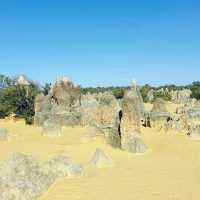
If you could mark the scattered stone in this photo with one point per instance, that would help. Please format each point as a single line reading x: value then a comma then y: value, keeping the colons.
x: 100, y: 159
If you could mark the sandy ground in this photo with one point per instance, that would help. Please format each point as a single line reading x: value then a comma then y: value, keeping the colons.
x: 170, y: 170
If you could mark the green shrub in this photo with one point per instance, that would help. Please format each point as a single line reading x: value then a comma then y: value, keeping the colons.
x: 144, y: 91
x: 18, y: 100
x: 46, y: 88
x: 195, y: 88
x: 164, y: 96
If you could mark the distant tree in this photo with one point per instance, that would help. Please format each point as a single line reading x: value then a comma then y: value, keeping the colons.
x: 164, y: 96
x: 195, y: 88
x: 15, y: 100
x: 46, y: 88
x: 144, y: 91
x: 118, y: 92
x: 5, y: 81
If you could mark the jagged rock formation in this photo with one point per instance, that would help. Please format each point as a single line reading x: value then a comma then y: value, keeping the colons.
x: 138, y: 98
x: 43, y: 107
x: 130, y: 126
x: 66, y: 93
x: 65, y: 106
x: 181, y: 96
x: 186, y: 119
x: 99, y: 109
x: 60, y: 107
x: 102, y: 111
x: 159, y: 115
x: 24, y: 178
x: 3, y: 134
x: 89, y: 108
x: 176, y: 123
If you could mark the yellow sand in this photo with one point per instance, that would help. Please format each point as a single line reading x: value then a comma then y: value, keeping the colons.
x: 170, y: 170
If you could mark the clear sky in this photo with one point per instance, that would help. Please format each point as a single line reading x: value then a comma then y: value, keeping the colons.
x: 101, y: 42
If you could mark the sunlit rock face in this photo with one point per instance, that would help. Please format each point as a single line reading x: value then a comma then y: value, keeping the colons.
x: 102, y: 111
x: 59, y: 108
x: 99, y: 109
x: 130, y: 126
x: 159, y: 115
x: 65, y: 93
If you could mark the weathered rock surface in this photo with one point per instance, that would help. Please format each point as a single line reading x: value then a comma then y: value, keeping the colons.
x: 24, y: 178
x: 130, y: 126
x: 22, y: 174
x: 176, y: 123
x: 159, y: 115
x: 65, y: 93
x: 99, y: 109
x: 60, y: 107
x: 89, y: 108
x: 181, y: 96
x: 102, y: 111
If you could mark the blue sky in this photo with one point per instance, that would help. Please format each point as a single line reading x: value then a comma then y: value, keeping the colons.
x: 101, y: 42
